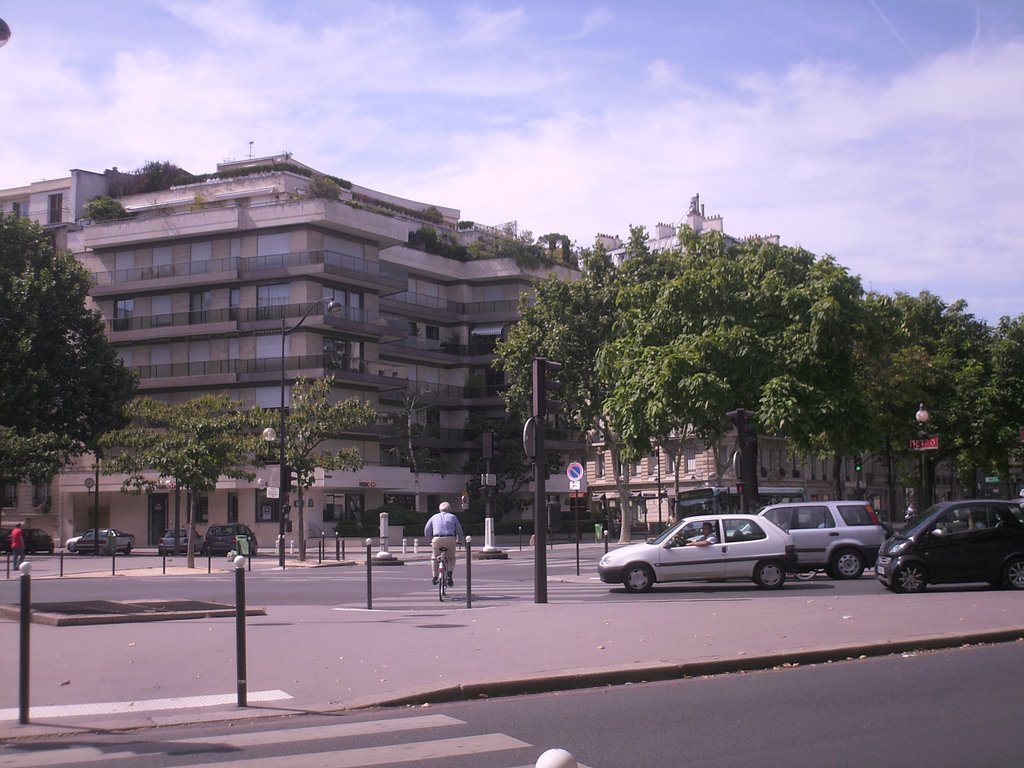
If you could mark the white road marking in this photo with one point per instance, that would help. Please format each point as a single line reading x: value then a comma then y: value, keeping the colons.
x: 146, y: 705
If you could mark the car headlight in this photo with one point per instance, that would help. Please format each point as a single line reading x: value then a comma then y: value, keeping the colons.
x: 898, y: 547
x: 605, y: 560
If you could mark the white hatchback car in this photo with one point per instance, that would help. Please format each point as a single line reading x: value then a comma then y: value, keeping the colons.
x: 738, y: 547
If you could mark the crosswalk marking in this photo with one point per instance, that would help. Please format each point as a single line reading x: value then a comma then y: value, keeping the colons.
x: 145, y: 705
x: 385, y: 755
x: 35, y: 759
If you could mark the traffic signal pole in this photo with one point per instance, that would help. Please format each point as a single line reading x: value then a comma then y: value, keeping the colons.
x: 540, y: 471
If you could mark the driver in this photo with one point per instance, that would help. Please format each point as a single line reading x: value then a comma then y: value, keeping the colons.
x: 707, y: 536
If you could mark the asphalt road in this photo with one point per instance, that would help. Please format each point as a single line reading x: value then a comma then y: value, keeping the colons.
x: 946, y: 708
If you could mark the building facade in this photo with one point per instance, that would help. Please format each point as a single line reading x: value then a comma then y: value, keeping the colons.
x: 197, y: 286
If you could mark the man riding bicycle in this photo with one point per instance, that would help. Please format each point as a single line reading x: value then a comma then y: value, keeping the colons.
x: 444, y: 530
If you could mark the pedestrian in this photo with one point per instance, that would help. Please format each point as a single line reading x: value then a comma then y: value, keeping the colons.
x: 443, y: 530
x: 18, y: 545
x: 911, y: 512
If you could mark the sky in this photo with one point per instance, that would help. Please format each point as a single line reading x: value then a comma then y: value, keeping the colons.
x: 888, y: 134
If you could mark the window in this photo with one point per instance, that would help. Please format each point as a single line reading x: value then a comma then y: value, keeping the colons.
x: 202, y: 508
x: 271, y: 301
x: 599, y: 464
x: 812, y: 517
x: 199, y: 307
x: 433, y: 333
x: 41, y: 494
x: 856, y: 514
x: 123, y: 310
x: 18, y: 210
x: 55, y: 208
x: 266, y: 509
x: 654, y: 463
x: 160, y: 311
x: 232, y: 507
x: 163, y: 261
x: 690, y: 459
x: 9, y: 494
x: 743, y: 530
x: 343, y: 355
x: 234, y: 300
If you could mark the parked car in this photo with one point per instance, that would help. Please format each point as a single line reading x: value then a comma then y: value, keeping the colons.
x: 745, y: 547
x: 956, y: 542
x: 36, y: 540
x: 839, y: 537
x: 166, y: 544
x: 108, y: 537
x: 221, y: 539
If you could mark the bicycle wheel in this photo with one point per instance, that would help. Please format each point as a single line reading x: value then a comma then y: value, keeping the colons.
x: 442, y: 579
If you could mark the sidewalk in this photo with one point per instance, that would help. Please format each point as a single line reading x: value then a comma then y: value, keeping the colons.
x: 326, y: 659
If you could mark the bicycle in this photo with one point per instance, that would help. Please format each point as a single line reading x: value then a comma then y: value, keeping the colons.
x: 443, y: 575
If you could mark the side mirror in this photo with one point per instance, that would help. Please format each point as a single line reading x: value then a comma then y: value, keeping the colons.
x: 938, y: 532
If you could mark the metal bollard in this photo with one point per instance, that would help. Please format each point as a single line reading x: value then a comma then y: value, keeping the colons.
x: 606, y: 541
x: 62, y: 563
x: 163, y: 562
x: 337, y: 547
x: 113, y: 556
x: 556, y: 758
x: 321, y: 546
x: 342, y: 549
x: 240, y: 665
x: 369, y: 575
x: 469, y: 572
x: 25, y: 620
x: 415, y: 546
x: 405, y: 546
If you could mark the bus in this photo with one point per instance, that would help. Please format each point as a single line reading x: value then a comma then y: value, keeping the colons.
x: 717, y: 500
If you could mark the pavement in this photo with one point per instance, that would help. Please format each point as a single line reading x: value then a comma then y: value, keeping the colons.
x: 128, y: 675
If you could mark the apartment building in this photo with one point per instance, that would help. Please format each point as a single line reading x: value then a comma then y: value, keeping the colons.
x: 197, y: 286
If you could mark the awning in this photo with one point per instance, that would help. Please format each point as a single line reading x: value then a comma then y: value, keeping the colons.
x: 489, y: 329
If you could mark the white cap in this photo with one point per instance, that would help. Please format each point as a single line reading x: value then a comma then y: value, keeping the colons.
x: 445, y: 506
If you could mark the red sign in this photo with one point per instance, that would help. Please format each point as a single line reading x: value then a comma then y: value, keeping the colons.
x: 925, y: 443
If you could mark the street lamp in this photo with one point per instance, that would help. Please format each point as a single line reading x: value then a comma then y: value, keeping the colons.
x: 270, y: 436
x: 93, y: 486
x: 922, y: 417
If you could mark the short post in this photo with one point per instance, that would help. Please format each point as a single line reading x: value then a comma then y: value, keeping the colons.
x: 163, y: 561
x: 113, y: 554
x: 337, y: 546
x: 9, y: 565
x: 415, y: 546
x: 25, y: 620
x: 556, y: 758
x: 520, y: 538
x: 405, y: 546
x: 321, y: 546
x: 239, y: 563
x: 62, y: 563
x: 369, y: 575
x: 605, y: 532
x: 342, y: 549
x: 209, y: 560
x: 469, y: 572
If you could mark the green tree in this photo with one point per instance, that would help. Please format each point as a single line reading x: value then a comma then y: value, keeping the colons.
x: 105, y: 208
x: 311, y: 421
x: 194, y: 443
x: 61, y: 383
x: 322, y: 186
x: 569, y: 322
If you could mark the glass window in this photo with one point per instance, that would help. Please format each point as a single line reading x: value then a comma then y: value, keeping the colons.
x: 9, y: 494
x: 855, y: 514
x: 812, y: 517
x: 199, y: 303
x: 599, y: 464
x: 234, y: 300
x: 160, y: 311
x: 232, y: 507
x: 55, y: 208
x: 743, y: 530
x: 271, y: 300
x: 266, y: 509
x: 781, y: 516
x: 40, y: 494
x: 123, y: 310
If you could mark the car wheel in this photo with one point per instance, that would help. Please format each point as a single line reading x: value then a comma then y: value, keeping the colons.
x: 1013, y: 574
x: 128, y: 549
x: 769, y: 574
x: 72, y: 548
x: 910, y: 578
x: 848, y: 564
x: 638, y: 578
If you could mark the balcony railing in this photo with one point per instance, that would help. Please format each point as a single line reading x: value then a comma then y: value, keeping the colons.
x: 344, y: 261
x: 261, y: 365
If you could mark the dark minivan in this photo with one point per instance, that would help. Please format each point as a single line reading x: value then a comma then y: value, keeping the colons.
x: 221, y: 539
x: 955, y: 542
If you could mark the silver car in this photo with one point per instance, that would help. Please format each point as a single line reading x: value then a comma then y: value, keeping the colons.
x: 839, y: 537
x: 108, y: 538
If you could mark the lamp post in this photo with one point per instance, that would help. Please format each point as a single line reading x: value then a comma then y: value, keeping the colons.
x: 270, y: 436
x: 93, y: 486
x: 922, y: 417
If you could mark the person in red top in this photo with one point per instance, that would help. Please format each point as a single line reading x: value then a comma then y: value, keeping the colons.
x: 18, y: 545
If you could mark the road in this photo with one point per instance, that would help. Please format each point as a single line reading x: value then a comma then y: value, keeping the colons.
x: 945, y: 708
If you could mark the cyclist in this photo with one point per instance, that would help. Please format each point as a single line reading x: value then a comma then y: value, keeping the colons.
x: 443, y: 529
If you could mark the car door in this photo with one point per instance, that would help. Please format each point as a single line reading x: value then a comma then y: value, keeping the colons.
x: 813, y: 530
x: 679, y: 561
x: 745, y: 544
x: 961, y: 543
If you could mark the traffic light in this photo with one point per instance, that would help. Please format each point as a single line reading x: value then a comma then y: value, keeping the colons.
x: 857, y: 465
x: 544, y: 386
x: 287, y: 475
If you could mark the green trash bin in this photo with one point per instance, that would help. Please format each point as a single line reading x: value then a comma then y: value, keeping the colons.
x: 598, y: 532
x: 242, y: 545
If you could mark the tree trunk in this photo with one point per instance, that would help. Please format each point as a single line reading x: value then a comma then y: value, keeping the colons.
x: 302, y: 523
x: 837, y: 472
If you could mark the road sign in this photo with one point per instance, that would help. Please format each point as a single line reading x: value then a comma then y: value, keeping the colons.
x: 574, y: 471
x: 530, y: 438
x: 992, y: 479
x: 925, y: 443
x: 273, y: 493
x: 574, y: 485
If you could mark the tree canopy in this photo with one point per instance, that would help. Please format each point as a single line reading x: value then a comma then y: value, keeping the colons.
x: 61, y: 382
